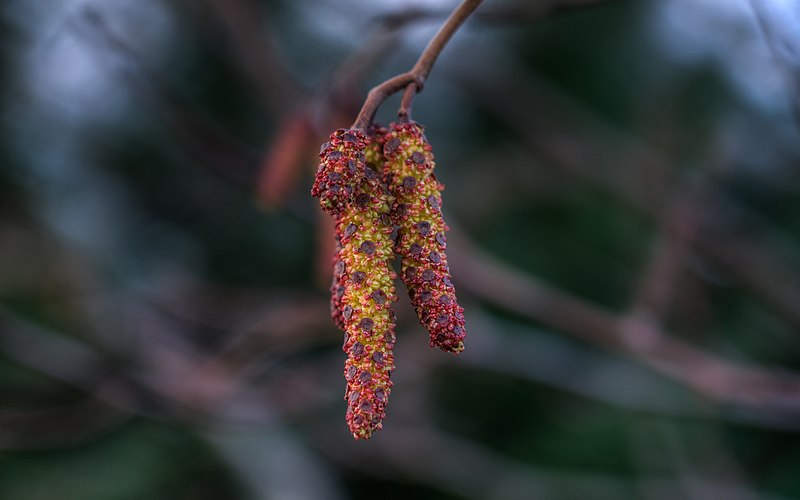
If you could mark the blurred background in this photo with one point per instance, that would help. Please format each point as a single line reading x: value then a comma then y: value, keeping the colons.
x: 624, y: 197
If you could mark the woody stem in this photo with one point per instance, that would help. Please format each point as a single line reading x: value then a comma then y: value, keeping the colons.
x: 404, y: 113
x: 419, y: 73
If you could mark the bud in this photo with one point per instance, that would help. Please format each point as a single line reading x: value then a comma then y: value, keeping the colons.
x: 421, y: 241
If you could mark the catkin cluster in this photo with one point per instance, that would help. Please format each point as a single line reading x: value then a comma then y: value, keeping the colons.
x: 375, y: 183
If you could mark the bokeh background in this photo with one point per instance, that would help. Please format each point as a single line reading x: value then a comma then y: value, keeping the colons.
x: 624, y: 197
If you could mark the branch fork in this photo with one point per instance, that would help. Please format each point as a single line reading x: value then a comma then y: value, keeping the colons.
x: 413, y: 81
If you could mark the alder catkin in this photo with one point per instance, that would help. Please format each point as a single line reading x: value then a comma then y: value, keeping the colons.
x: 363, y: 284
x: 421, y: 240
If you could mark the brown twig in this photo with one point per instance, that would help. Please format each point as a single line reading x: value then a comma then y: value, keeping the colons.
x: 419, y: 73
x: 404, y: 114
x: 378, y: 95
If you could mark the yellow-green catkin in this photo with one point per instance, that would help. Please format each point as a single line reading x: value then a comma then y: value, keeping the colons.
x: 421, y: 240
x: 363, y: 288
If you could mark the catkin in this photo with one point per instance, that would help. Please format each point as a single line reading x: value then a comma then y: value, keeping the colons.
x: 421, y: 240
x: 363, y: 287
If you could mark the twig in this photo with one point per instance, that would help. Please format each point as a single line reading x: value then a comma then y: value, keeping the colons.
x: 404, y: 114
x: 419, y: 73
x: 378, y: 94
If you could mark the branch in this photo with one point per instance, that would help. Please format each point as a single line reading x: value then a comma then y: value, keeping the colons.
x: 768, y: 392
x: 616, y: 163
x: 404, y: 113
x: 419, y: 73
x: 426, y: 61
x: 453, y: 464
x: 658, y: 284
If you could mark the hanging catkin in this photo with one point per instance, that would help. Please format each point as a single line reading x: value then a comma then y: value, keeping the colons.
x: 363, y: 288
x: 421, y: 240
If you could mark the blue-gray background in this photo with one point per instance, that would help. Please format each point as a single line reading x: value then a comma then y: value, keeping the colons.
x: 623, y: 190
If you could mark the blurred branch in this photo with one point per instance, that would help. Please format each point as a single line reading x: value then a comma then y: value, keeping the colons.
x: 658, y: 282
x: 752, y: 263
x: 333, y: 106
x: 461, y: 467
x: 165, y: 390
x: 243, y: 23
x: 771, y: 394
x: 280, y: 166
x: 526, y: 353
x: 274, y: 464
x: 57, y: 426
x: 527, y: 11
x: 207, y: 144
x: 443, y: 462
x: 521, y: 12
x: 252, y: 325
x: 657, y: 285
x: 565, y: 134
x: 67, y: 361
x: 791, y: 68
x: 657, y: 448
x: 569, y: 136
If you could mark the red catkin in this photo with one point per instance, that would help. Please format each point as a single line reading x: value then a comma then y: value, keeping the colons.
x: 421, y: 240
